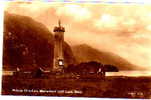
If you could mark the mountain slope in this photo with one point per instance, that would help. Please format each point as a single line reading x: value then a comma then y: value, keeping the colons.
x: 85, y: 53
x: 29, y: 44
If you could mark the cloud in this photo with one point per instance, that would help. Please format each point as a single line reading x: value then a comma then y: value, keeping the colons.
x: 106, y: 21
x: 76, y: 12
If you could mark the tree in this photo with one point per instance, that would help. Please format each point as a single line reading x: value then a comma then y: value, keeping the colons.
x: 111, y: 68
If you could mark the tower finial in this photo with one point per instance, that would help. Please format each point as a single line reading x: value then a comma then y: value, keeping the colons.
x: 59, y: 28
x: 59, y: 23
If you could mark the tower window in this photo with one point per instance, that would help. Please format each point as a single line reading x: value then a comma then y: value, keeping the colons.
x: 60, y: 63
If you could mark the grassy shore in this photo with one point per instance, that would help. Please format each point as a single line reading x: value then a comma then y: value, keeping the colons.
x: 110, y: 87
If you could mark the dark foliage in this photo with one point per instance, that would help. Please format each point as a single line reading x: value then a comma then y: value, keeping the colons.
x: 92, y: 66
x: 85, y: 67
x: 110, y: 68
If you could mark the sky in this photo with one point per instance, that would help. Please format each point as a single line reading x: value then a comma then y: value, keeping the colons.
x: 118, y: 28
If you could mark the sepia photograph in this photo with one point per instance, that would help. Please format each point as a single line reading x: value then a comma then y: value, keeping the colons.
x: 93, y: 50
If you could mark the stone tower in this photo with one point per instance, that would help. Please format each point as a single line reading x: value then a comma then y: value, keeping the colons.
x: 58, y: 61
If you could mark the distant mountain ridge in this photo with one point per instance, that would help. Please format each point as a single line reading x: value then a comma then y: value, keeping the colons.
x: 85, y: 53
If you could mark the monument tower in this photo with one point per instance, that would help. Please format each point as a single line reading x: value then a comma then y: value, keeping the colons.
x: 58, y: 61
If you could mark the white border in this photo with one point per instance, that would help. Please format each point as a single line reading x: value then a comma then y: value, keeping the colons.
x: 43, y: 97
x: 1, y: 40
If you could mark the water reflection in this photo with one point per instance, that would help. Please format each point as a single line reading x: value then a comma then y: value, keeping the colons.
x: 129, y: 73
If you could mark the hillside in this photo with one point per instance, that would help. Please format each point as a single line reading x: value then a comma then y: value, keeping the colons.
x: 29, y: 44
x: 85, y: 53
